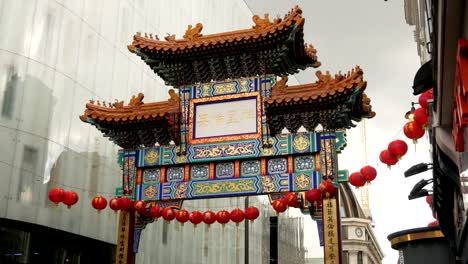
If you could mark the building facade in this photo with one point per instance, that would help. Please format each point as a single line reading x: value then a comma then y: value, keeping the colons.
x: 55, y: 55
x: 447, y: 35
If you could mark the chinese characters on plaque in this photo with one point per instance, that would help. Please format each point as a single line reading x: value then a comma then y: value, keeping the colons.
x: 122, y: 240
x: 226, y: 118
x: 330, y: 232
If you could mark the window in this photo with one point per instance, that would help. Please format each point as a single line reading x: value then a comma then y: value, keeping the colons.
x: 10, y: 93
x: 345, y: 257
x: 359, y: 257
x: 27, y: 173
x: 344, y: 232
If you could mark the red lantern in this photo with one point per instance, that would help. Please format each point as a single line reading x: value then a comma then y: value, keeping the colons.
x: 209, y: 217
x: 429, y: 200
x: 196, y: 217
x: 398, y: 148
x: 115, y: 204
x: 313, y: 196
x: 155, y: 211
x: 434, y: 223
x: 327, y: 188
x: 357, y: 179
x: 168, y: 214
x: 223, y: 217
x: 427, y: 95
x: 279, y: 206
x: 413, y: 130
x: 291, y: 200
x: 182, y: 216
x: 237, y: 216
x: 369, y: 173
x: 126, y: 204
x: 252, y: 213
x: 139, y: 206
x: 388, y: 158
x: 99, y: 203
x: 421, y: 117
x: 56, y: 195
x: 70, y: 198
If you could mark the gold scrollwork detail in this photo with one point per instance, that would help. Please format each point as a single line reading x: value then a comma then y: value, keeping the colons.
x: 151, y: 156
x: 301, y: 143
x: 268, y: 184
x: 181, y: 191
x: 224, y: 150
x: 220, y: 187
x: 302, y: 181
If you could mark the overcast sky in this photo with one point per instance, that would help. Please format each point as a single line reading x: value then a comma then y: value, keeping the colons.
x: 374, y: 35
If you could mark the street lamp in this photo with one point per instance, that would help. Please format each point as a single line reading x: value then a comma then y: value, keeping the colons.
x: 418, y: 191
x: 410, y: 114
x: 418, y: 168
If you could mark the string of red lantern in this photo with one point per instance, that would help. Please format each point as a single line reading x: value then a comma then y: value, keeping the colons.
x: 223, y: 217
x: 209, y: 217
x: 182, y: 216
x: 196, y: 217
x: 388, y: 158
x: 252, y: 213
x: 169, y: 214
x: 357, y: 179
x: 237, y: 216
x: 327, y: 188
x: 99, y: 203
x: 70, y: 198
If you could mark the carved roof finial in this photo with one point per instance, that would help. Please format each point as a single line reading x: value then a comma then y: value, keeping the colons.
x: 261, y: 23
x: 192, y: 34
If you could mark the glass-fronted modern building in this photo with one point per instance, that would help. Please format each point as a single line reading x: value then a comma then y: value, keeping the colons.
x: 56, y: 55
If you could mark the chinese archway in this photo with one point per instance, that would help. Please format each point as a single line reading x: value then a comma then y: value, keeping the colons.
x: 220, y: 132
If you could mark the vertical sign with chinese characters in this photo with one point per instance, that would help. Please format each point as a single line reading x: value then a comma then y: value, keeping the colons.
x: 122, y: 239
x: 330, y: 232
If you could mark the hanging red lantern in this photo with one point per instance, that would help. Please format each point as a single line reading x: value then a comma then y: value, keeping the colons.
x: 209, y: 217
x: 313, y: 196
x: 99, y: 203
x: 223, y: 217
x: 155, y: 211
x: 433, y: 223
x: 126, y: 204
x: 252, y: 213
x: 168, y: 214
x: 70, y: 198
x: 388, y: 158
x: 182, y: 216
x: 237, y: 216
x: 424, y: 97
x: 327, y: 188
x: 369, y: 173
x: 429, y: 200
x: 115, y: 204
x: 56, y: 195
x: 139, y: 206
x: 421, y: 117
x: 398, y: 148
x: 413, y: 130
x: 279, y: 206
x: 357, y: 179
x: 291, y: 199
x: 196, y: 217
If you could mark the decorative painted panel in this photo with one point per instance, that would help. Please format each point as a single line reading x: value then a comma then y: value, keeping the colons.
x: 281, y: 145
x: 150, y: 192
x: 225, y: 170
x: 200, y: 172
x: 250, y: 168
x: 304, y: 163
x: 175, y: 174
x: 152, y: 175
x: 276, y: 166
x: 225, y: 187
x: 232, y: 87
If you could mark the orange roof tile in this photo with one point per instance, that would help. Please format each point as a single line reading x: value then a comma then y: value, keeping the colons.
x: 135, y: 111
x: 193, y: 38
x: 326, y: 86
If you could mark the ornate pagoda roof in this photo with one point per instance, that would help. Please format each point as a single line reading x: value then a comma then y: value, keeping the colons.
x: 332, y: 101
x: 269, y: 47
x: 136, y: 124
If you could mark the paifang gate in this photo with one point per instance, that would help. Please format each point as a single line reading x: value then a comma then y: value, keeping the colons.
x: 220, y: 132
